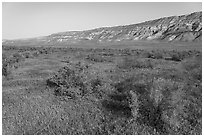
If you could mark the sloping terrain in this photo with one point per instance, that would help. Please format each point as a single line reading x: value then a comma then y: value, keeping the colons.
x: 174, y: 28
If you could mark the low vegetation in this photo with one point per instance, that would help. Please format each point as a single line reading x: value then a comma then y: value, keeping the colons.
x: 109, y: 92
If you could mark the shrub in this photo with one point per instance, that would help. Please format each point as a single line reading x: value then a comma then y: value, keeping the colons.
x: 133, y: 63
x: 98, y: 58
x: 9, y: 61
x: 36, y: 53
x: 132, y: 99
x: 76, y: 78
x: 157, y: 54
x: 17, y: 57
x: 192, y: 63
x: 174, y: 99
x: 146, y: 54
x: 162, y: 105
x: 27, y: 54
x: 5, y: 69
x: 193, y: 68
x: 95, y: 84
x: 65, y: 80
x: 171, y: 74
x: 176, y: 56
x: 5, y: 65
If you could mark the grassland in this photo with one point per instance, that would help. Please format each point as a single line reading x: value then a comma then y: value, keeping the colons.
x: 101, y: 91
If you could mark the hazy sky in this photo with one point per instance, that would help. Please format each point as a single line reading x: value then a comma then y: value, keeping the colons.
x: 24, y: 20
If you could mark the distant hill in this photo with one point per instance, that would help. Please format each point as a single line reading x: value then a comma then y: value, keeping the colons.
x: 175, y: 28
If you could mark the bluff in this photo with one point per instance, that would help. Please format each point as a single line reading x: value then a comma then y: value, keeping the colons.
x: 175, y: 28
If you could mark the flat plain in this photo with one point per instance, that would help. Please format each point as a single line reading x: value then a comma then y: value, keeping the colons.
x: 127, y: 88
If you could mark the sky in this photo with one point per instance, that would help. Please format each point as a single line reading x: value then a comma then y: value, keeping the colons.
x: 26, y: 20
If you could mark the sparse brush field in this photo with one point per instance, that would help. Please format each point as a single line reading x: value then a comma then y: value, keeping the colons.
x: 74, y: 91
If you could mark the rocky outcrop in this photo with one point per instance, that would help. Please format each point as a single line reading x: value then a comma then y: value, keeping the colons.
x: 174, y: 28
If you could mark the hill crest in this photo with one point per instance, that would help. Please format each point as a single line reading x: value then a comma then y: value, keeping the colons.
x: 174, y: 28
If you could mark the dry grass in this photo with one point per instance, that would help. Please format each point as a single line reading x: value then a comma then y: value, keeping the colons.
x: 139, y: 95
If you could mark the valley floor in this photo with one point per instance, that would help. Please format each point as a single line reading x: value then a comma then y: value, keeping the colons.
x: 57, y: 91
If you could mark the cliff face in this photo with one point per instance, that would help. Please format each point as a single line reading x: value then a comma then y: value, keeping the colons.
x: 174, y: 28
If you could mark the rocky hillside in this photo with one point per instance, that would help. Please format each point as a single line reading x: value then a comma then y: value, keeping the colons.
x: 174, y: 28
